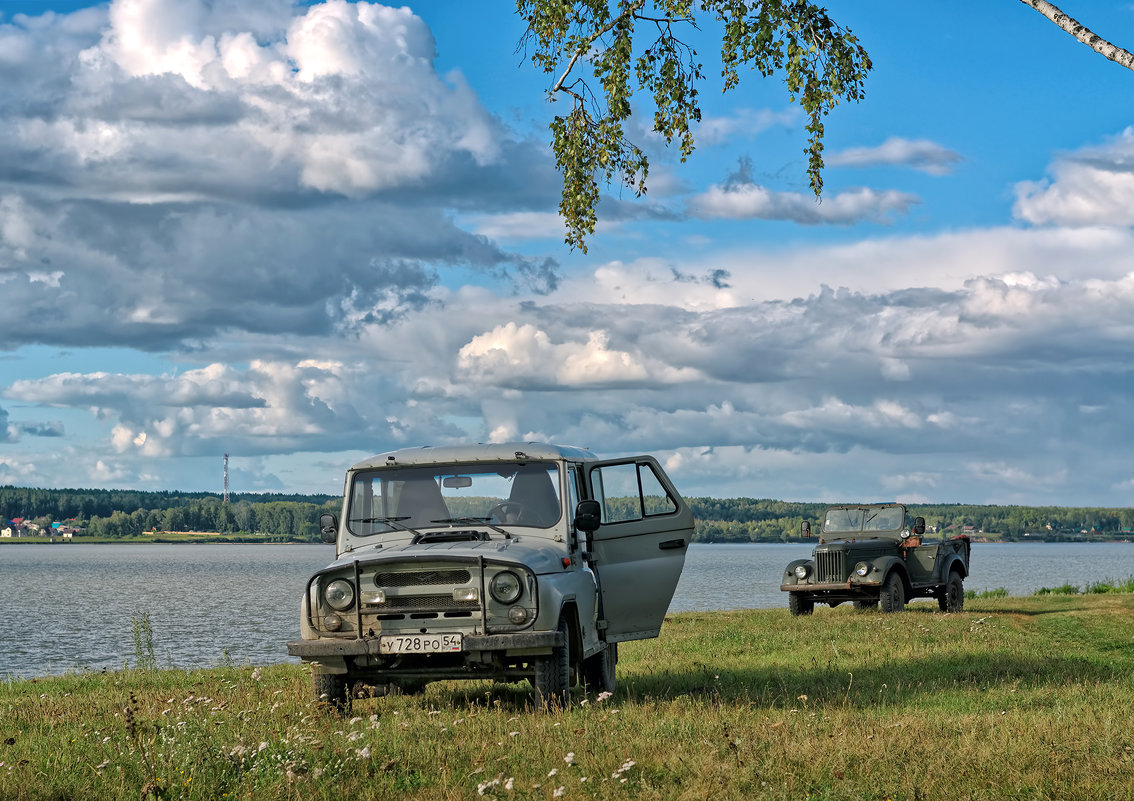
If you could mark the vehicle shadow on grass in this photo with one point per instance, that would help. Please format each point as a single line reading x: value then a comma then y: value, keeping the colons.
x: 1007, y: 609
x: 892, y: 682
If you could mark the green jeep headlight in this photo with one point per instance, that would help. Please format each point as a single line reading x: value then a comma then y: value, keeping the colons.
x: 801, y: 572
x: 862, y: 568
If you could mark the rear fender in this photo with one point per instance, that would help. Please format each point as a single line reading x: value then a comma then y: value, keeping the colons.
x: 954, y: 562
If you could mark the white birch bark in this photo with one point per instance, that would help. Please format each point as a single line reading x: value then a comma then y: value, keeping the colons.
x: 1083, y: 34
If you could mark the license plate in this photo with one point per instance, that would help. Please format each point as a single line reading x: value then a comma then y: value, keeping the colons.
x: 419, y: 644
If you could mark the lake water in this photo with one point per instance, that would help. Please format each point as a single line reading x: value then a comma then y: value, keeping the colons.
x: 72, y: 607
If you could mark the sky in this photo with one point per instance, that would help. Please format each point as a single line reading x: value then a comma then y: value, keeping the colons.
x: 305, y: 233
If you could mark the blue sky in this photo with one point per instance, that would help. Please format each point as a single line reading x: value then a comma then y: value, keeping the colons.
x: 302, y: 234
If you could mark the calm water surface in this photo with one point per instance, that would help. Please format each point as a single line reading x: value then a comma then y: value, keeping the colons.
x: 71, y: 607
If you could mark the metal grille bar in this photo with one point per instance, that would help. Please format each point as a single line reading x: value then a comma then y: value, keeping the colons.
x: 830, y: 567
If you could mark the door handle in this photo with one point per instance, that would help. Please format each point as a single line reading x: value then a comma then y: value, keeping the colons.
x: 670, y: 545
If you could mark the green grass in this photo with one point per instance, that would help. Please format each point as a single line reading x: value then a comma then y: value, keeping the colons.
x: 1015, y: 698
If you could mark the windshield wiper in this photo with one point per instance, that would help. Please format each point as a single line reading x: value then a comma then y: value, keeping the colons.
x: 476, y: 520
x: 392, y: 522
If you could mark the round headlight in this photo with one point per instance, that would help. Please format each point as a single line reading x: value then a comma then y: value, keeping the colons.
x: 505, y: 587
x: 339, y: 594
x: 801, y: 571
x: 862, y: 568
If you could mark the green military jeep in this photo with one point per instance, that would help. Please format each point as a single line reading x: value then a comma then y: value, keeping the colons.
x: 506, y: 562
x: 871, y: 554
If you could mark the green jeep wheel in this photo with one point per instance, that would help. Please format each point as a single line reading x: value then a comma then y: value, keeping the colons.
x: 953, y: 597
x: 893, y: 597
x: 800, y: 604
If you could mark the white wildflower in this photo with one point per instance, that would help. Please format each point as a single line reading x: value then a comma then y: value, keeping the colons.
x: 559, y: 792
x: 570, y: 758
x: 484, y: 787
x: 363, y: 753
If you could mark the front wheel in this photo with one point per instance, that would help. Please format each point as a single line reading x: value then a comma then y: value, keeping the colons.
x: 598, y: 670
x: 953, y: 599
x: 331, y: 689
x: 893, y: 597
x: 552, y: 674
x: 799, y: 603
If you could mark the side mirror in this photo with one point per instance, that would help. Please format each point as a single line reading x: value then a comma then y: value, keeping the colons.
x: 328, y: 527
x: 588, y: 515
x: 919, y: 525
x: 805, y: 528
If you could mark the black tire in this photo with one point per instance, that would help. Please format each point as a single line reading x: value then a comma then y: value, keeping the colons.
x: 331, y: 689
x: 598, y: 670
x: 893, y: 597
x: 865, y: 604
x: 953, y: 597
x: 800, y: 604
x: 552, y: 674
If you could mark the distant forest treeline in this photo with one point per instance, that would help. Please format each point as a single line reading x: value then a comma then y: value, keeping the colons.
x: 126, y: 513
x: 122, y: 513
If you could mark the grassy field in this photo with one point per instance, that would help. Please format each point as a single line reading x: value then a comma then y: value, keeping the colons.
x: 1015, y: 698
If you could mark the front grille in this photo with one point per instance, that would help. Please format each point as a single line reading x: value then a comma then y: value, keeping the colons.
x: 830, y: 567
x: 432, y: 603
x: 422, y: 578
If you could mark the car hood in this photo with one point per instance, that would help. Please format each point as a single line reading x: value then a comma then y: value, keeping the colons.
x: 538, y: 555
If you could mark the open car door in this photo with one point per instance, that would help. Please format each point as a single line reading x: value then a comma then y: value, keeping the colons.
x: 639, y: 548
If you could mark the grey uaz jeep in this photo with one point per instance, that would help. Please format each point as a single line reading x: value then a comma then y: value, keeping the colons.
x: 504, y: 562
x: 873, y: 554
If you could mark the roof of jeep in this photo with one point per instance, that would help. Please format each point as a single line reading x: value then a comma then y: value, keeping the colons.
x: 495, y: 452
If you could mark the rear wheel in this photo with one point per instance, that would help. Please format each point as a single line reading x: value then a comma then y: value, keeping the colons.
x: 800, y: 604
x: 598, y: 670
x: 552, y: 676
x: 331, y: 689
x: 953, y: 598
x: 893, y: 597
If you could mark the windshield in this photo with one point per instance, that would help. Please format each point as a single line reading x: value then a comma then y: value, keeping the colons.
x: 870, y: 518
x: 412, y: 498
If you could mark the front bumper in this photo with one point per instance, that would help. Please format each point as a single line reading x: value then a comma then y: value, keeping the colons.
x: 846, y: 586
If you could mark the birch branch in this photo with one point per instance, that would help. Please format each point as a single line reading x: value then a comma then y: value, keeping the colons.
x: 1083, y: 34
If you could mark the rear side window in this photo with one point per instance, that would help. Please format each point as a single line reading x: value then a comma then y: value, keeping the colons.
x: 630, y: 491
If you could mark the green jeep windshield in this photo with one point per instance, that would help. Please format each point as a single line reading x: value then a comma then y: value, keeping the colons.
x: 413, y: 498
x: 860, y: 519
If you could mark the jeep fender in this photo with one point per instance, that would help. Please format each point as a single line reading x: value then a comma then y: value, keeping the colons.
x: 954, y: 562
x: 892, y: 564
x: 789, y: 571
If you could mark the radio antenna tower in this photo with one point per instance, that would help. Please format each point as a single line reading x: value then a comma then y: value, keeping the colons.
x: 226, y: 478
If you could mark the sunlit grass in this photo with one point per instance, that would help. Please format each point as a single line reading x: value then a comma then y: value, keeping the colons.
x: 1013, y: 698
